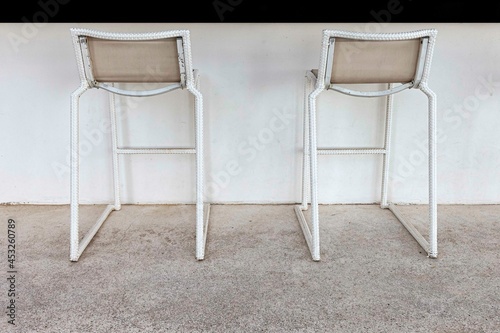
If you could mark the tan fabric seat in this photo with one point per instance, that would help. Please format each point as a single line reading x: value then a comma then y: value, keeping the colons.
x: 134, y: 61
x: 374, y: 61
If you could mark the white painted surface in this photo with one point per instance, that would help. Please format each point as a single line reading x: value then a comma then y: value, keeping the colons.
x: 252, y: 83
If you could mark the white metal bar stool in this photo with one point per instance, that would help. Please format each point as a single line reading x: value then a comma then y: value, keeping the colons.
x: 400, y: 60
x: 104, y: 61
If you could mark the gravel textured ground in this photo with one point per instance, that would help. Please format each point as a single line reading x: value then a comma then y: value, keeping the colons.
x: 140, y: 274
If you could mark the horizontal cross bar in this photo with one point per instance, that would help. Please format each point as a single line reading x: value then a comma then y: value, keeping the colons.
x: 347, y: 151
x: 134, y: 93
x: 156, y: 151
x: 372, y: 93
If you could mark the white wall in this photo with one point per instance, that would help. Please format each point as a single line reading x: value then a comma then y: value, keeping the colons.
x: 252, y: 83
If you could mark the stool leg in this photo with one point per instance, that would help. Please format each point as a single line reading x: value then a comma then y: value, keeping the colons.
x: 75, y: 177
x: 312, y: 238
x: 200, y: 228
x: 199, y: 184
x: 114, y: 140
x: 313, y: 156
x: 305, y: 138
x: 433, y: 252
x: 387, y: 147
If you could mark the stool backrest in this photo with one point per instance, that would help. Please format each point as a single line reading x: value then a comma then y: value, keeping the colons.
x: 134, y: 61
x: 365, y: 58
x: 374, y: 61
x: 106, y: 58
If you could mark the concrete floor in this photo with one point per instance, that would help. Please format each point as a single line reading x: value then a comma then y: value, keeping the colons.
x: 140, y: 274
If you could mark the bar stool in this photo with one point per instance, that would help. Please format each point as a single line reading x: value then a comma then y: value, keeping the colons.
x: 108, y: 60
x: 401, y: 60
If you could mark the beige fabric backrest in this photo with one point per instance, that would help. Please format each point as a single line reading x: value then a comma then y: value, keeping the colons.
x: 356, y: 61
x: 134, y: 61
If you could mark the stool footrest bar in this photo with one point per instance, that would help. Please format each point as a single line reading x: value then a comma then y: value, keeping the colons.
x: 349, y: 151
x: 156, y: 151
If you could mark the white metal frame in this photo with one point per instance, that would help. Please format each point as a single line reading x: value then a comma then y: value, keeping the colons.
x: 315, y: 85
x: 189, y: 79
